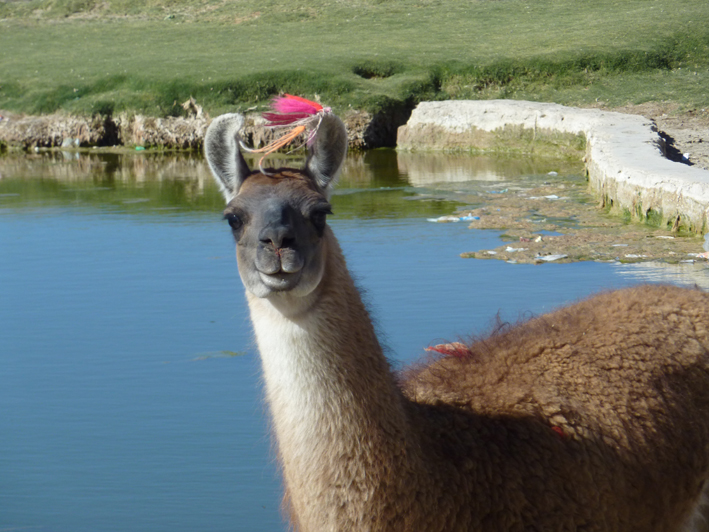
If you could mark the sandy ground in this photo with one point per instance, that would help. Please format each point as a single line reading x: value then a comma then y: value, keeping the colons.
x: 687, y: 133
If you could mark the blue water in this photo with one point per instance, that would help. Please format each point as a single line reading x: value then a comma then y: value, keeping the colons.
x: 130, y: 394
x: 116, y: 411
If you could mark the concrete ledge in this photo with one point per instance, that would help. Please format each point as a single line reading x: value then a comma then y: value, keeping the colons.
x: 624, y: 154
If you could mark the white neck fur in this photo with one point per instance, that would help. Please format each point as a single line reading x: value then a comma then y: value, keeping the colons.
x: 332, y: 396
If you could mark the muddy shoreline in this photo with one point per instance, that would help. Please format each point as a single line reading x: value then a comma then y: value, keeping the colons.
x: 60, y: 130
x: 686, y: 133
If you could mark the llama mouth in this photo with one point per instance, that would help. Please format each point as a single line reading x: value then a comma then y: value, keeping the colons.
x: 280, y: 281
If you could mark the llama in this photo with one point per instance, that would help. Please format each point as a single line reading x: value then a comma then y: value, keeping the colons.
x: 592, y: 417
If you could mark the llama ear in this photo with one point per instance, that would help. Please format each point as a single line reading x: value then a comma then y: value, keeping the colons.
x: 327, y: 153
x: 221, y: 148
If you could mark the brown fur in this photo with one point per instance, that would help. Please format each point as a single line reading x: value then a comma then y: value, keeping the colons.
x: 596, y: 412
x: 592, y: 417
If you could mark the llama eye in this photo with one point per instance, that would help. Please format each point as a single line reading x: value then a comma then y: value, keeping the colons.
x: 319, y: 217
x: 234, y: 221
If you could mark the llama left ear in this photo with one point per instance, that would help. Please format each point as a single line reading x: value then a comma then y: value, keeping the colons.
x: 327, y: 152
x: 221, y: 149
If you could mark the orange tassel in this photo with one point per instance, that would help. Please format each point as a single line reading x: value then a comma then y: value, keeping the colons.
x: 279, y: 143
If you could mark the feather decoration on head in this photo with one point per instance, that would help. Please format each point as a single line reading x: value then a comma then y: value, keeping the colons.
x: 291, y: 111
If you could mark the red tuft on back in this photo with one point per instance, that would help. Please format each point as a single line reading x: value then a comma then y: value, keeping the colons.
x: 456, y: 349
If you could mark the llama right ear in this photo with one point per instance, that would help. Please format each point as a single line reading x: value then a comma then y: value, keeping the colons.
x: 221, y: 148
x: 327, y: 153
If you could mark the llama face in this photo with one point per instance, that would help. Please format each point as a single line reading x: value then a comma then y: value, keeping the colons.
x: 278, y: 218
x: 278, y: 222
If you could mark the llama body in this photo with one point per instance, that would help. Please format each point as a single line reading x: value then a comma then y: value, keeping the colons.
x: 581, y: 414
x: 594, y: 417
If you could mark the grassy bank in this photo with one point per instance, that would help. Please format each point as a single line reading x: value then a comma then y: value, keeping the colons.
x: 86, y: 56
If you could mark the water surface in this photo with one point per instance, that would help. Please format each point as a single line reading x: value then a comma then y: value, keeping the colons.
x: 130, y: 394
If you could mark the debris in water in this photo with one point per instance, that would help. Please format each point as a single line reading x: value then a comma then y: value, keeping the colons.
x: 466, y: 218
x: 574, y: 226
x: 704, y: 255
x: 218, y: 354
x: 550, y: 258
x: 549, y: 197
x: 444, y: 219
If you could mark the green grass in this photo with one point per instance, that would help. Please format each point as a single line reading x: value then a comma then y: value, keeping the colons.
x: 86, y: 56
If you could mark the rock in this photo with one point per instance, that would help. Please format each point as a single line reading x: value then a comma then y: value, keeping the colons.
x: 70, y: 143
x: 192, y: 109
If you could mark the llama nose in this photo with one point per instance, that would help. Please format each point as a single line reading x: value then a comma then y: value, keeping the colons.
x: 278, y: 235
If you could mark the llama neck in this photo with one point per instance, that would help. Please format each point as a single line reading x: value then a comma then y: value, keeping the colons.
x: 336, y: 409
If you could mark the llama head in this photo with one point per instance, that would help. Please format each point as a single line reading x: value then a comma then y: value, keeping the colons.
x: 278, y: 217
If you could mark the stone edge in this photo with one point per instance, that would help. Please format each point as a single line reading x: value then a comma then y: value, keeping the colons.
x: 625, y: 160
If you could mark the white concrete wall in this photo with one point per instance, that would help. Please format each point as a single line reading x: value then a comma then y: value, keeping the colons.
x: 624, y: 157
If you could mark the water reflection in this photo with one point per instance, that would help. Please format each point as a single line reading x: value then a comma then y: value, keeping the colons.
x: 104, y: 166
x: 378, y: 168
x: 688, y: 274
x: 425, y: 169
x: 370, y: 185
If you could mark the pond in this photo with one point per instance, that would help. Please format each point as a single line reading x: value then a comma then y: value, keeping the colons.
x: 130, y: 395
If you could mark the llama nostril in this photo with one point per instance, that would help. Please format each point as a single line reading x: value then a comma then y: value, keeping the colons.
x: 281, y: 243
x: 278, y: 237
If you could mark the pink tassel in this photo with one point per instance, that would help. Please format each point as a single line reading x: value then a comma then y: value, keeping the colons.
x: 295, y: 104
x: 303, y: 115
x: 289, y: 109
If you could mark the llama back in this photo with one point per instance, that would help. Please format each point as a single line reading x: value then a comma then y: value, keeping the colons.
x: 599, y: 405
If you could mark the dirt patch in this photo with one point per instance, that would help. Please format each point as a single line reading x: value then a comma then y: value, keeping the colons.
x: 686, y: 132
x: 55, y: 130
x: 561, y: 222
x: 366, y: 131
x: 65, y: 131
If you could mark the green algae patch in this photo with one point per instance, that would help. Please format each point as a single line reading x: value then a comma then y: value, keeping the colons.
x: 561, y: 222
